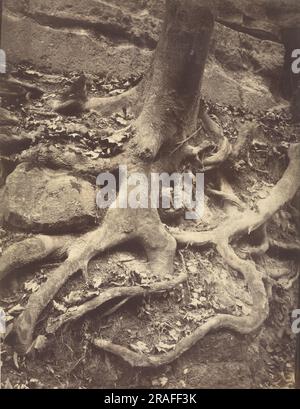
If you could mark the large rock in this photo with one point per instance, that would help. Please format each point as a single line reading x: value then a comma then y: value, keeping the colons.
x: 263, y: 18
x: 44, y: 200
x: 242, y: 91
x: 242, y: 70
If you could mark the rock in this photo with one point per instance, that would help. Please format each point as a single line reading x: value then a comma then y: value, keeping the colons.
x: 44, y: 200
x: 241, y: 52
x: 242, y: 70
x: 242, y: 91
x: 262, y: 18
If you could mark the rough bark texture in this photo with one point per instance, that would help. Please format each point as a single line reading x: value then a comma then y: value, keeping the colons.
x: 170, y: 107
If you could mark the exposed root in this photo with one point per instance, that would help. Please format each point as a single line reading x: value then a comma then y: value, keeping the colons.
x: 244, y: 325
x: 107, y: 105
x: 31, y: 250
x: 2, y: 172
x: 289, y: 250
x: 219, y: 157
x: 68, y: 158
x: 7, y: 118
x: 79, y: 253
x: 15, y: 89
x: 264, y: 245
x: 132, y: 224
x: 229, y: 197
x: 239, y: 224
x: 10, y: 143
x: 110, y: 294
x: 168, y: 113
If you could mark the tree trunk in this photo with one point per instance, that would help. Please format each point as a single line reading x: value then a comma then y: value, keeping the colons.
x: 168, y: 111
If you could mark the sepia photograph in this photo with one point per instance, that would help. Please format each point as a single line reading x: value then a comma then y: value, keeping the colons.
x: 149, y: 197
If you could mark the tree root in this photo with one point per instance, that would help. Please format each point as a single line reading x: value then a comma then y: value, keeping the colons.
x: 264, y: 245
x: 289, y: 250
x: 132, y: 224
x: 219, y: 157
x: 241, y: 223
x: 169, y: 112
x: 229, y: 197
x: 31, y: 250
x: 110, y: 294
x: 10, y: 144
x: 107, y: 105
x: 16, y: 89
x: 68, y: 158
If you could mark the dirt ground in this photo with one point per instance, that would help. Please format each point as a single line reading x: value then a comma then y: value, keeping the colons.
x: 155, y: 323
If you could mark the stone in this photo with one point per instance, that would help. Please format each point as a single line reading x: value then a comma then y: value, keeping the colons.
x: 264, y: 19
x: 47, y: 201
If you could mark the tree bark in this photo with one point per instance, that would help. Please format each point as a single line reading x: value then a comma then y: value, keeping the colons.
x: 169, y: 103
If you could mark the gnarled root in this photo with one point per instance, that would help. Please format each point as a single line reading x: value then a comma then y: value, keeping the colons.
x: 107, y: 105
x: 236, y: 225
x: 242, y: 325
x: 110, y: 294
x: 31, y: 250
x: 290, y: 250
x: 132, y: 224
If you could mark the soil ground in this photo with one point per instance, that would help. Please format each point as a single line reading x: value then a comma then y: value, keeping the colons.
x: 154, y: 324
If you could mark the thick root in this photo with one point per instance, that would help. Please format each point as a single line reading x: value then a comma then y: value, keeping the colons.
x: 32, y: 250
x: 289, y: 250
x: 107, y: 105
x: 132, y: 224
x: 243, y: 325
x: 110, y: 294
x: 238, y: 224
x: 79, y: 254
x: 68, y: 158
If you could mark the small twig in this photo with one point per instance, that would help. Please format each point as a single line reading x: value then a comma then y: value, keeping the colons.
x: 43, y: 113
x: 115, y: 308
x: 253, y: 167
x: 228, y: 197
x: 181, y: 143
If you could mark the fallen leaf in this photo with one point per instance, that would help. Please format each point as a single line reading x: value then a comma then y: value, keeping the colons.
x: 140, y: 347
x: 38, y: 344
x: 17, y: 309
x: 32, y: 286
x: 15, y: 359
x: 59, y: 307
x: 163, y: 381
x: 163, y: 347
